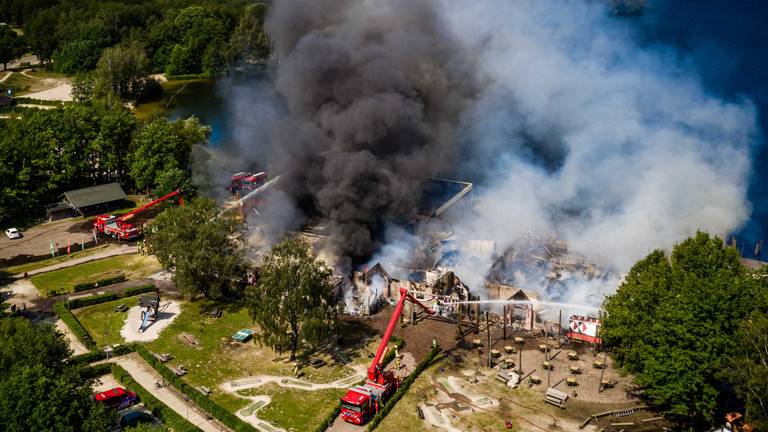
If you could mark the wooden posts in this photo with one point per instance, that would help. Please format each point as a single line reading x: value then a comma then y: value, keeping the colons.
x: 488, y: 329
x: 504, y: 320
x: 546, y: 360
x: 602, y: 372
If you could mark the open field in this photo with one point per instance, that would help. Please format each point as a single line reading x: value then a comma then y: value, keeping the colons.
x: 132, y: 266
x: 296, y: 410
x: 102, y: 318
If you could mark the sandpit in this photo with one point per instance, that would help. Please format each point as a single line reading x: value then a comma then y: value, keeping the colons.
x: 169, y: 310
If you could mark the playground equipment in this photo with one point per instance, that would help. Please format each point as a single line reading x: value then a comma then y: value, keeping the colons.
x: 150, y: 308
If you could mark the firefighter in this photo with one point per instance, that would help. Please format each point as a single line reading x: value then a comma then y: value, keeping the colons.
x: 398, y: 365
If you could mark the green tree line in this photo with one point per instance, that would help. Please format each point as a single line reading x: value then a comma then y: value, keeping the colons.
x: 47, y: 152
x: 176, y: 36
x: 691, y: 326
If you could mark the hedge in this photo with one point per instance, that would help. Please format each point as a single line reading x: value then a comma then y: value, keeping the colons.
x: 92, y: 300
x: 399, y: 343
x: 388, y: 405
x: 329, y: 419
x: 95, y: 356
x: 71, y: 321
x: 168, y: 416
x: 26, y: 100
x: 96, y: 371
x: 200, y: 399
x: 103, y: 298
x: 99, y: 283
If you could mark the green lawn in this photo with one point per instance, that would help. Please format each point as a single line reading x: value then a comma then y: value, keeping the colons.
x: 132, y: 266
x: 101, y: 318
x: 297, y: 410
x: 21, y: 268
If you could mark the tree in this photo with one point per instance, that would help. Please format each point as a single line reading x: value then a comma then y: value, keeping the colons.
x: 249, y: 42
x: 38, y: 390
x: 35, y: 398
x: 11, y: 45
x: 196, y: 243
x: 25, y: 343
x: 294, y: 301
x: 162, y: 146
x: 747, y: 369
x: 82, y: 87
x: 121, y: 70
x: 672, y: 320
x: 41, y: 34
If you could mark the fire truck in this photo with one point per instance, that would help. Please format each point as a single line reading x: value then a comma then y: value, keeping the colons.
x: 121, y: 227
x: 246, y: 182
x: 363, y: 402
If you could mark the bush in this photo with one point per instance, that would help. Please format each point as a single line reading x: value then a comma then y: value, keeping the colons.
x: 159, y: 410
x: 200, y: 399
x: 96, y: 371
x: 99, y: 283
x: 95, y: 356
x: 388, y: 405
x: 92, y: 300
x: 71, y: 321
x: 139, y: 290
x: 26, y: 100
x: 328, y: 420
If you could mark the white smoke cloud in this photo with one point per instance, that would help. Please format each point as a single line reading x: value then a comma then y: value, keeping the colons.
x: 612, y: 147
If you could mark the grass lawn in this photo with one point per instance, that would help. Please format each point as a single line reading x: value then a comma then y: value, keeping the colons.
x: 404, y: 416
x: 132, y: 266
x: 215, y: 360
x: 297, y: 410
x: 101, y: 318
x: 21, y: 268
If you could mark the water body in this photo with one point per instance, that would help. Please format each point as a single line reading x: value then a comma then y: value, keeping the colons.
x: 724, y: 42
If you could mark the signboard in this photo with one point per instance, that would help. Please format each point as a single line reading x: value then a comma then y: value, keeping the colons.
x: 584, y: 328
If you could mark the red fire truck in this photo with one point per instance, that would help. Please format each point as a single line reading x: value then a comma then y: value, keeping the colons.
x: 120, y: 227
x: 362, y: 402
x: 246, y: 182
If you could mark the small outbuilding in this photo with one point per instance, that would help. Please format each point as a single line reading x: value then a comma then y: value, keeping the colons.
x: 5, y: 101
x: 90, y: 200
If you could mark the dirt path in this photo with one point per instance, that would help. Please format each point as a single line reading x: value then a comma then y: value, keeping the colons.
x: 62, y: 92
x: 147, y: 377
x: 8, y: 75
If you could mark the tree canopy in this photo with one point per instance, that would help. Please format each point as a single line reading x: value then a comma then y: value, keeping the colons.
x: 200, y: 247
x: 38, y: 390
x: 11, y: 45
x: 672, y: 321
x: 294, y: 301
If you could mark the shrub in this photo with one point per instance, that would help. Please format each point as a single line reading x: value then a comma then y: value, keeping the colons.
x: 95, y: 356
x: 160, y: 410
x: 111, y: 280
x: 200, y: 399
x: 388, y: 405
x: 71, y: 321
x: 139, y: 290
x: 92, y: 300
x: 95, y: 371
x: 329, y: 419
x: 84, y: 286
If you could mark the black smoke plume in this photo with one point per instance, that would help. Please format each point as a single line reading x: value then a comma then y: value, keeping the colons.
x: 373, y: 93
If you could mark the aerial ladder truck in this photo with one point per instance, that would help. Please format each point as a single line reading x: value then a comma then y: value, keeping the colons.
x: 121, y: 227
x: 363, y: 402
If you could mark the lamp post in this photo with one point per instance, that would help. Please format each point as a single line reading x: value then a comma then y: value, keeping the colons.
x: 186, y: 399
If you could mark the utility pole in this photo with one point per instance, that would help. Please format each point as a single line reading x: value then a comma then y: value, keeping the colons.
x: 602, y: 372
x: 549, y: 366
x: 458, y: 320
x: 559, y: 327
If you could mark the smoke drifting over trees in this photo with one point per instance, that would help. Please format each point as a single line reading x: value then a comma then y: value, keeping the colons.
x: 566, y: 125
x: 373, y: 91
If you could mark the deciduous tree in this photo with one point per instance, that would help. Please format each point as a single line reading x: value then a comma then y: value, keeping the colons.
x: 196, y: 243
x: 11, y: 45
x: 294, y: 301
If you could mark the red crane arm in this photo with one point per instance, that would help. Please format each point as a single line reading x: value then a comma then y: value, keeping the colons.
x: 374, y: 371
x: 134, y: 212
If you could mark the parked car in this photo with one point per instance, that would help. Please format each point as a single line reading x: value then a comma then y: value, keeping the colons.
x: 12, y: 233
x: 117, y: 397
x: 133, y: 418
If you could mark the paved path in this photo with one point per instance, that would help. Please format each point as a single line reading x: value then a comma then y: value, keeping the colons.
x: 110, y: 252
x: 62, y: 92
x: 147, y: 377
x: 74, y: 343
x: 250, y: 413
x: 8, y: 75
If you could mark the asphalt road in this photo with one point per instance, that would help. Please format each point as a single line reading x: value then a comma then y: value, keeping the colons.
x: 36, y: 241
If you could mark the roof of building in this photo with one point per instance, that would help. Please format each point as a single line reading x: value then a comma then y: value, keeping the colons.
x: 5, y: 100
x: 85, y: 197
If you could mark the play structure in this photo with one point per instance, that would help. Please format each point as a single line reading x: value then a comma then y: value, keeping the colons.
x: 150, y: 307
